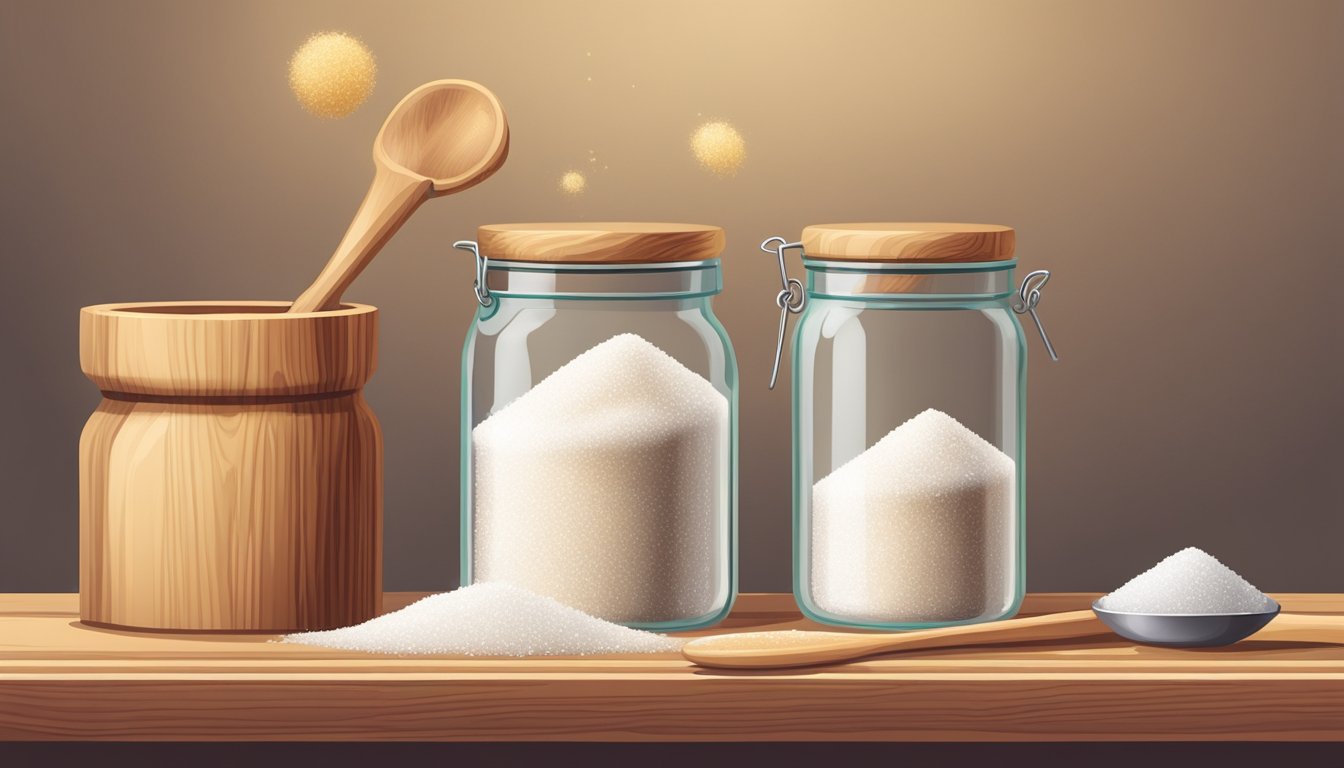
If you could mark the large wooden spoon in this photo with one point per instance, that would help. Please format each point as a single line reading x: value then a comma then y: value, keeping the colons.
x: 794, y: 648
x: 444, y: 137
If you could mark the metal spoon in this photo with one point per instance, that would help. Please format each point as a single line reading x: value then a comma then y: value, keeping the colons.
x: 1193, y: 630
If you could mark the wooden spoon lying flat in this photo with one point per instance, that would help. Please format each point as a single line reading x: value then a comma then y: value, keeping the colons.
x: 764, y: 650
x: 761, y: 650
x: 444, y: 137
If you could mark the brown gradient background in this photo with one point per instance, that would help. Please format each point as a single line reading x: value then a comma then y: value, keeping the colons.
x: 1178, y: 165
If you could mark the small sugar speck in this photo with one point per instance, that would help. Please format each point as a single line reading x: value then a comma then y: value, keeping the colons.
x: 718, y: 147
x: 573, y: 183
x: 331, y: 74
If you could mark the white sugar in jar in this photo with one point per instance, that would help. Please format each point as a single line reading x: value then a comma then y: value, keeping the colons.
x: 919, y: 526
x: 599, y: 429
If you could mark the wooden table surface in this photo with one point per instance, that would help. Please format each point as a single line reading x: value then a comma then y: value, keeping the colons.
x: 60, y: 680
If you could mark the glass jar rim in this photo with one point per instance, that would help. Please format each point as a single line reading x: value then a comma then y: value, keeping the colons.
x: 604, y: 269
x: 896, y: 267
x: 606, y: 282
x: 960, y: 283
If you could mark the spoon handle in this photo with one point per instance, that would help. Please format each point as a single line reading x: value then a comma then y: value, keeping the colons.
x: 392, y: 198
x: 798, y: 649
x: 1304, y: 628
x: 1069, y: 625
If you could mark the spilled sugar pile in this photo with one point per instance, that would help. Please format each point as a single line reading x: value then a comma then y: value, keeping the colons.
x: 603, y: 486
x: 488, y: 619
x: 918, y: 528
x: 1189, y: 582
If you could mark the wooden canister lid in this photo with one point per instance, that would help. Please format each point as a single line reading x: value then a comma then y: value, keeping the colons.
x: 915, y: 242
x: 600, y: 242
x: 226, y: 348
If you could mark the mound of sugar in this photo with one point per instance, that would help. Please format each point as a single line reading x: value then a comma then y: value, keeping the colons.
x: 921, y: 527
x: 604, y: 486
x: 488, y: 619
x: 1189, y: 582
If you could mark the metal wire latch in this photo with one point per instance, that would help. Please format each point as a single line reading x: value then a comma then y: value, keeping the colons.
x: 1026, y: 300
x: 790, y: 298
x: 482, y: 264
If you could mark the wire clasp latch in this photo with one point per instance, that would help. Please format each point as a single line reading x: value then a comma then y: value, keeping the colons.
x: 482, y: 264
x: 790, y: 298
x: 1026, y: 300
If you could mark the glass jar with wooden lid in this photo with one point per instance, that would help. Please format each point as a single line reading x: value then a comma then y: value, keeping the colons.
x: 909, y: 394
x: 599, y: 421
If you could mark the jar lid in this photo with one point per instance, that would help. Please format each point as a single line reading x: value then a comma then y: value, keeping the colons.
x: 909, y: 242
x: 600, y: 242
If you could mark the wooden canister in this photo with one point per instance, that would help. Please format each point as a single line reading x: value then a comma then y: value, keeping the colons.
x: 231, y: 477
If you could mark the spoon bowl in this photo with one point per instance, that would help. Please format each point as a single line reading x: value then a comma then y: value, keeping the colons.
x: 451, y: 132
x: 1185, y: 630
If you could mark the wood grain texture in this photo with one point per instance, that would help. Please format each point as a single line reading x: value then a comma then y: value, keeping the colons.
x: 392, y: 197
x: 443, y: 137
x: 62, y: 680
x: 452, y: 132
x: 926, y: 242
x: 601, y: 242
x: 231, y: 477
x: 226, y: 348
x: 754, y: 650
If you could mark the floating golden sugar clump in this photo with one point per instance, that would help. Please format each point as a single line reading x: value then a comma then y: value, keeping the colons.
x: 573, y: 183
x: 719, y: 147
x: 331, y: 74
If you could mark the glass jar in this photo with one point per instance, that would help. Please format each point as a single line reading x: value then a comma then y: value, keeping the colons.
x: 599, y: 421
x: 909, y: 414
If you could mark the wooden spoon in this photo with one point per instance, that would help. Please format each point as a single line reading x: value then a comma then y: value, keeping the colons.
x: 444, y: 137
x: 763, y: 650
x: 758, y: 650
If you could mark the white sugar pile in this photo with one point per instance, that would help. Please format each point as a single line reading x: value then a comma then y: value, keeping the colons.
x: 918, y: 528
x: 1189, y: 582
x: 604, y: 487
x: 488, y: 619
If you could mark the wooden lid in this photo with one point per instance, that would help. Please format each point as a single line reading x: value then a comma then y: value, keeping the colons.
x: 909, y: 242
x: 600, y: 242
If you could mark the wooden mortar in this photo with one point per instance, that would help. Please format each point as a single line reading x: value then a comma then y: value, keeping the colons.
x: 231, y: 477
